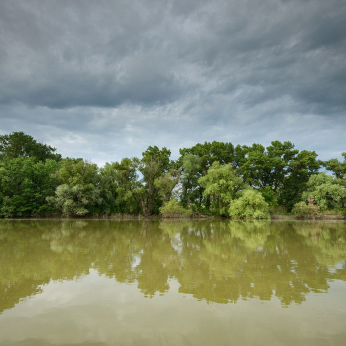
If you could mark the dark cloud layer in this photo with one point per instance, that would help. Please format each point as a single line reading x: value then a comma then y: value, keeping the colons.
x: 130, y: 73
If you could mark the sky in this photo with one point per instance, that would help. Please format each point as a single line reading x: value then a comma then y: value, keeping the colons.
x: 103, y: 80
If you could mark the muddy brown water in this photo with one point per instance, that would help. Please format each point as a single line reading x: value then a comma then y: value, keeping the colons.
x: 213, y: 282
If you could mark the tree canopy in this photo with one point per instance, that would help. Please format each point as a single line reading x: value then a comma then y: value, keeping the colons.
x: 18, y: 144
x: 205, y: 178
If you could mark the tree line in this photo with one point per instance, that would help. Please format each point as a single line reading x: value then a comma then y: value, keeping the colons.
x: 215, y: 178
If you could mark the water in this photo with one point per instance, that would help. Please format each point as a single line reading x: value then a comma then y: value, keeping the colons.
x: 172, y: 283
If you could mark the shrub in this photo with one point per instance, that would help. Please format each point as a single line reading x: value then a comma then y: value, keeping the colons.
x: 77, y: 200
x: 306, y: 210
x: 174, y: 209
x: 251, y: 205
x: 329, y: 192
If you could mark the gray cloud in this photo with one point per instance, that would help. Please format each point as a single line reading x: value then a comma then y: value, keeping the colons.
x: 115, y: 76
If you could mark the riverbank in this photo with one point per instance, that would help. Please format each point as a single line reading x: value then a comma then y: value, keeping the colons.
x: 196, y: 216
x: 321, y: 216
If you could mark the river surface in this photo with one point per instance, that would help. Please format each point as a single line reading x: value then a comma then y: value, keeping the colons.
x: 100, y: 283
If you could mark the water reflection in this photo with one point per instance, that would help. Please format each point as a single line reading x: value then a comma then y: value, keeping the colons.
x: 216, y: 261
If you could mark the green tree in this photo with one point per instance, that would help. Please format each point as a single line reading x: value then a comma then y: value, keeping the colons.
x: 338, y: 168
x: 269, y: 196
x: 209, y: 153
x: 281, y: 168
x: 267, y: 166
x: 166, y: 183
x: 121, y: 179
x: 24, y: 186
x: 202, y: 156
x: 79, y: 191
x: 18, y: 144
x: 328, y: 191
x: 251, y: 205
x: 300, y: 169
x: 191, y: 190
x: 153, y: 164
x: 77, y: 171
x: 223, y: 185
x: 162, y: 156
x: 77, y: 200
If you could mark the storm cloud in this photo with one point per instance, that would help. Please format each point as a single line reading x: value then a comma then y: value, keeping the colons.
x: 105, y: 79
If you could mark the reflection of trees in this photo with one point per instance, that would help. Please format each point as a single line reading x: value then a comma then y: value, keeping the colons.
x: 328, y: 244
x: 219, y: 261
x: 244, y: 262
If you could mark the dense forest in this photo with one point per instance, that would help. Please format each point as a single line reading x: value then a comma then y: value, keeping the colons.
x: 211, y: 178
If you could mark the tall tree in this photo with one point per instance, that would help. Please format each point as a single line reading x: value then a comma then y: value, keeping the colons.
x: 206, y: 154
x: 77, y: 171
x: 338, y: 168
x: 191, y: 190
x: 211, y: 152
x: 24, y: 186
x: 166, y: 183
x: 120, y: 179
x: 79, y: 191
x: 223, y: 185
x: 153, y: 164
x: 18, y: 144
x: 300, y: 169
x: 281, y: 168
x: 268, y: 166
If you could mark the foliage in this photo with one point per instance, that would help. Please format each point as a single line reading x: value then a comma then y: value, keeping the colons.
x: 191, y: 190
x: 154, y: 162
x: 222, y: 185
x: 18, y: 144
x: 77, y: 200
x: 301, y: 168
x: 77, y: 172
x: 210, y: 153
x: 161, y: 156
x: 268, y: 166
x: 280, y: 167
x: 79, y: 191
x: 24, y: 186
x: 251, y: 205
x: 206, y: 178
x: 166, y: 184
x: 119, y: 180
x: 337, y: 167
x: 327, y: 191
x: 197, y: 160
x: 173, y: 208
x: 269, y: 196
x: 306, y: 210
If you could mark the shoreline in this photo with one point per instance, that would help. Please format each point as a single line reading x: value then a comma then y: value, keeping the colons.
x: 197, y: 217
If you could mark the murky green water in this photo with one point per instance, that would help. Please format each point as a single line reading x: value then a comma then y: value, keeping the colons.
x: 172, y: 283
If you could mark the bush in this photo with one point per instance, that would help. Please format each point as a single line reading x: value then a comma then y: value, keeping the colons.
x: 328, y: 192
x: 174, y: 209
x: 77, y: 200
x: 307, y: 210
x: 251, y: 205
x: 279, y: 210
